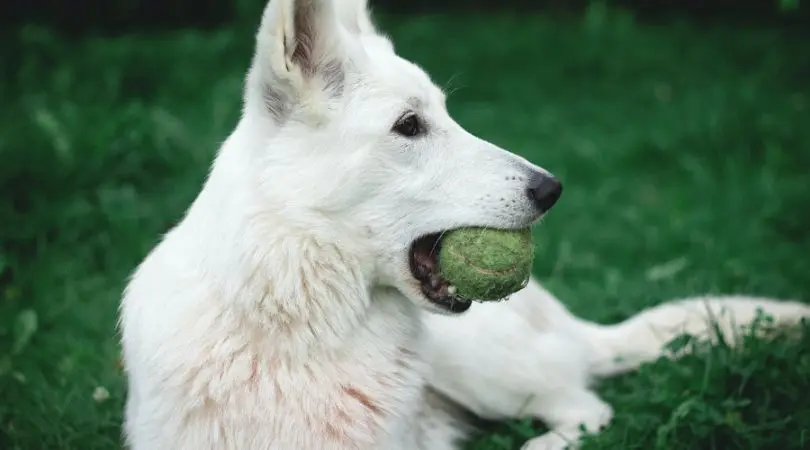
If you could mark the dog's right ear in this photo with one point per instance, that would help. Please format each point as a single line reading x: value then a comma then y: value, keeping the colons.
x: 300, y: 55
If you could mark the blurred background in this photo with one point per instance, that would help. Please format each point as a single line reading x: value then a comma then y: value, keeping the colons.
x: 83, y: 16
x: 680, y: 128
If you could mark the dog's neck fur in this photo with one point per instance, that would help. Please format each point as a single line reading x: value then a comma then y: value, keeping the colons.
x: 319, y: 299
x: 272, y: 314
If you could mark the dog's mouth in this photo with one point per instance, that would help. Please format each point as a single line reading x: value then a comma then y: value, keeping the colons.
x: 424, y: 265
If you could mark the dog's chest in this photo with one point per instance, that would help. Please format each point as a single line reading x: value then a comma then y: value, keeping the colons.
x: 343, y: 405
x: 363, y: 396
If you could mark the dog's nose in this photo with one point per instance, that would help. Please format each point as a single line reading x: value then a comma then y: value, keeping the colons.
x: 544, y: 190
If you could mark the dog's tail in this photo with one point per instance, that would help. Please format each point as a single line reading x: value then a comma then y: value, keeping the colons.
x: 642, y: 338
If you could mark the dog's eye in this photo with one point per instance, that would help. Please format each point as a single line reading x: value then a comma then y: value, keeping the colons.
x: 409, y: 125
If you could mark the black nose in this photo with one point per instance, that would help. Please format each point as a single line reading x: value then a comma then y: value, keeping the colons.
x: 544, y: 190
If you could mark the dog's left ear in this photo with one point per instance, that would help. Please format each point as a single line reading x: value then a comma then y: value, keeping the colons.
x: 300, y: 54
x: 355, y: 16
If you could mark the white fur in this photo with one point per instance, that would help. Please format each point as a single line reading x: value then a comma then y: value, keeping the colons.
x: 280, y: 313
x: 530, y: 357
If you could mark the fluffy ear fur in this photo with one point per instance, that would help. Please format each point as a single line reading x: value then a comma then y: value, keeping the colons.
x: 300, y: 55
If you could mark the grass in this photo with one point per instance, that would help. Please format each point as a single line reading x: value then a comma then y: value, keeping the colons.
x: 684, y: 153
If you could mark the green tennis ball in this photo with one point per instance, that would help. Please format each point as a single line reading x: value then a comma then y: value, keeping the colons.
x: 486, y: 264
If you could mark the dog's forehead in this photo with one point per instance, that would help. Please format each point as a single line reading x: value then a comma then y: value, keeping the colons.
x: 405, y: 80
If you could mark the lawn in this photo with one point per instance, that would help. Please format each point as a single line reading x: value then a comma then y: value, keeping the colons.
x: 684, y: 152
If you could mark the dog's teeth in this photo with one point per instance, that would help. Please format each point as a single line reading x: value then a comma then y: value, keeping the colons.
x: 451, y: 289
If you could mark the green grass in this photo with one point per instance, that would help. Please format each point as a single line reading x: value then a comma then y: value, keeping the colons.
x: 684, y: 154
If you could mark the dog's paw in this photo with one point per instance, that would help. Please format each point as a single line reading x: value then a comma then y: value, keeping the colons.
x: 550, y: 441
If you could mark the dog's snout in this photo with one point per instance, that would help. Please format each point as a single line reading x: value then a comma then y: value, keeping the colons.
x: 544, y: 190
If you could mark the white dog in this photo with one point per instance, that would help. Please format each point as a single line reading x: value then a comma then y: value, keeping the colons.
x: 297, y: 306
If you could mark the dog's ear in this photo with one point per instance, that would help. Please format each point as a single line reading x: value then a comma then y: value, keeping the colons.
x: 355, y: 16
x: 300, y: 54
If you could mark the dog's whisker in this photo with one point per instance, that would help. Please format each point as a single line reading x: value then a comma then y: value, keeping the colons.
x: 450, y: 89
x: 436, y: 244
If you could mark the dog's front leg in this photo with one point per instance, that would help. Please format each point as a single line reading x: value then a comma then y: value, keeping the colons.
x: 503, y: 360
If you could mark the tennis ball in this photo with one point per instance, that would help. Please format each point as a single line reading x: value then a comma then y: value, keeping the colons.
x: 486, y: 264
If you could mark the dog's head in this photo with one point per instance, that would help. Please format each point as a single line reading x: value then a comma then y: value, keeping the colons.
x: 354, y: 133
